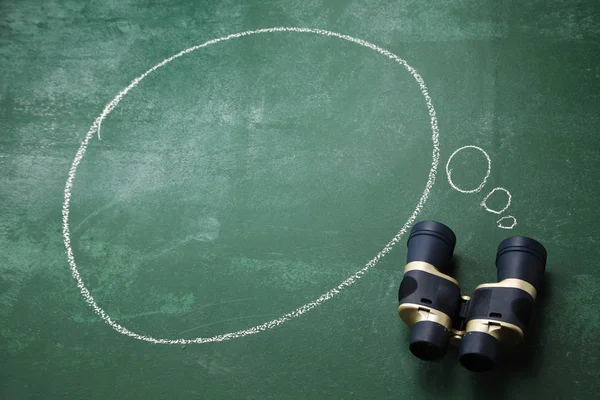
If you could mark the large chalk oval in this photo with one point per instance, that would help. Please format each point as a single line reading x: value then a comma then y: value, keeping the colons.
x: 185, y: 214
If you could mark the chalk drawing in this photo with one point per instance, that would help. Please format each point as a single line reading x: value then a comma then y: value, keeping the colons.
x: 481, y: 185
x: 485, y: 178
x: 95, y: 128
x: 508, y: 199
x: 509, y: 217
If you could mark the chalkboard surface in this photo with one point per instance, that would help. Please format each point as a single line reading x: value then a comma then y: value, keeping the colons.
x: 253, y: 192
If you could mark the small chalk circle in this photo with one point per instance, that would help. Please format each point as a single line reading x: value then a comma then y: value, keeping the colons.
x: 508, y: 217
x: 508, y: 200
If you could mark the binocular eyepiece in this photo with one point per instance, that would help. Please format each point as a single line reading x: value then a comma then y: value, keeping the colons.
x: 495, y: 316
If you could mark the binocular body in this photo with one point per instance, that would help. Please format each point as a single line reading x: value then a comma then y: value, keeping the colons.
x: 495, y: 316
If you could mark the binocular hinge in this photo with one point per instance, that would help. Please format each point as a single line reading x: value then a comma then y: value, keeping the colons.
x: 506, y: 333
x: 459, y: 322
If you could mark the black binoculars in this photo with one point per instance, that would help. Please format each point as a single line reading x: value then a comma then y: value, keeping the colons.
x: 495, y: 316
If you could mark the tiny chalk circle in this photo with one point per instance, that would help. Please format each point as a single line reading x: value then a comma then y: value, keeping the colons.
x: 510, y: 218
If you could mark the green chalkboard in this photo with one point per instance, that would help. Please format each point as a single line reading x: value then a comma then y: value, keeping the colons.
x: 196, y: 205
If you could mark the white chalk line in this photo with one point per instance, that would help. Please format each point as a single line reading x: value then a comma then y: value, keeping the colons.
x: 302, y: 309
x: 514, y: 222
x: 487, y: 174
x: 508, y: 199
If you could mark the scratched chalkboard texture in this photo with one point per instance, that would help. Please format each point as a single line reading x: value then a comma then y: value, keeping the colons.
x: 255, y: 176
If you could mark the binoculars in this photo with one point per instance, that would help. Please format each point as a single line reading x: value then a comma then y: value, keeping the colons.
x: 494, y: 317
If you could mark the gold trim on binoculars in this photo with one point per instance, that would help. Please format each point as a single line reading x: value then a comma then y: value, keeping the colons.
x: 426, y: 267
x: 512, y: 283
x: 506, y: 333
x: 412, y: 313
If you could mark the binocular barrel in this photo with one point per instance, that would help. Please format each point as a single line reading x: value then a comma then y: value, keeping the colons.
x: 495, y: 316
x: 427, y: 297
x: 499, y: 313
